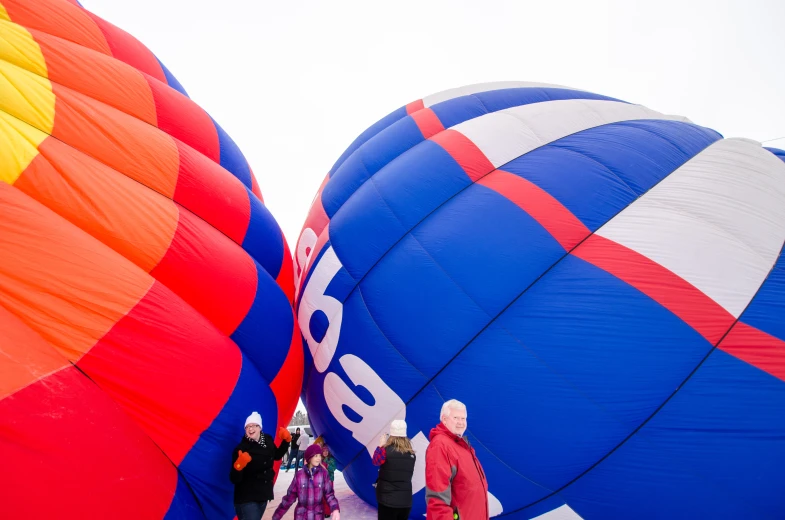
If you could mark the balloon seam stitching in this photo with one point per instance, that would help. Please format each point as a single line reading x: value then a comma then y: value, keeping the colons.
x: 661, y: 406
x: 566, y: 254
x: 177, y: 469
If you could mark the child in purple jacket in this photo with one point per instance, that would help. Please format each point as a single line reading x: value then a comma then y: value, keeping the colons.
x: 309, y: 486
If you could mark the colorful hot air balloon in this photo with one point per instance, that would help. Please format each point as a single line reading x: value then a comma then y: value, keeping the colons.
x: 145, y: 289
x: 602, y: 285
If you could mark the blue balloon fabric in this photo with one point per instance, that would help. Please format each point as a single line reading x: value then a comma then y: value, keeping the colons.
x: 601, y: 284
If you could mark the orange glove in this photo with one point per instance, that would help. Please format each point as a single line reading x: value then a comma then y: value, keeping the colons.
x: 242, y: 460
x: 284, y: 434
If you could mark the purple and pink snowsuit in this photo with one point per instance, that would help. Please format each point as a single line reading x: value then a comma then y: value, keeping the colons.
x: 308, y: 489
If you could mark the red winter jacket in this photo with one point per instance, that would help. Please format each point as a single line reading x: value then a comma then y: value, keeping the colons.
x: 454, y: 479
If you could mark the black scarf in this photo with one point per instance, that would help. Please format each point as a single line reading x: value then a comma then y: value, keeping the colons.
x: 260, y: 441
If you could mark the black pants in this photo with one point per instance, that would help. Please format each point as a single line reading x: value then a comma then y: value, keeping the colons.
x: 394, y: 513
x: 250, y: 510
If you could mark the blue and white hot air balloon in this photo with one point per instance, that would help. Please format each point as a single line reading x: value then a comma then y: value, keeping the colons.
x: 603, y: 285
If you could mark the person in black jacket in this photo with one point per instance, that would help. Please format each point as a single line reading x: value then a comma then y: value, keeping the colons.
x: 252, y: 468
x: 395, y: 458
x: 293, y: 449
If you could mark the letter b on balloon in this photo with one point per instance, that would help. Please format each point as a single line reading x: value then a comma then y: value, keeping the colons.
x: 314, y: 300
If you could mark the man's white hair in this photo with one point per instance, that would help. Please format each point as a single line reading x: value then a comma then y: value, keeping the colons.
x: 452, y: 404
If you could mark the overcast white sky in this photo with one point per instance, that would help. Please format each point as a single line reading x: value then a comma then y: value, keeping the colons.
x: 295, y: 82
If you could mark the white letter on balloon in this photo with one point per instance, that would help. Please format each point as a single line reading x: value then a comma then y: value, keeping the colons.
x: 314, y: 300
x: 302, y: 257
x: 420, y: 444
x: 374, y: 418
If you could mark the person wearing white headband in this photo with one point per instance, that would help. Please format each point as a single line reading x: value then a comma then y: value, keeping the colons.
x: 395, y: 458
x: 252, y: 468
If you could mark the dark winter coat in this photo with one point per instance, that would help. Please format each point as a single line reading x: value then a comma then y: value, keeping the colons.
x: 295, y: 437
x: 394, y: 486
x: 254, y: 483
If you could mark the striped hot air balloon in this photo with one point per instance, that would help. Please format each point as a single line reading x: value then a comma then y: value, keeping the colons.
x: 602, y: 285
x: 145, y: 289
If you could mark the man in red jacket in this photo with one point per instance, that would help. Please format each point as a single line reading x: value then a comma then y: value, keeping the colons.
x: 455, y: 483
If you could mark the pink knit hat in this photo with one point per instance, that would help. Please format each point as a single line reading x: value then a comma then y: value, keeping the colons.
x: 313, y: 449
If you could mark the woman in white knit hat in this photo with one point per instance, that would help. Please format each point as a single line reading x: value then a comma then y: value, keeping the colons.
x: 395, y: 458
x: 252, y: 468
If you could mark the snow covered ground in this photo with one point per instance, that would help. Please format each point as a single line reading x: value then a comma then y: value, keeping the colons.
x: 352, y: 506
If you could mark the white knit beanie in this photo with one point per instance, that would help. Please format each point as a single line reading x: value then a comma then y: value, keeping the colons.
x: 254, y: 418
x: 398, y: 428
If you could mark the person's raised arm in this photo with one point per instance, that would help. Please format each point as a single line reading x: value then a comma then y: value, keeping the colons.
x: 286, y: 439
x: 379, y: 456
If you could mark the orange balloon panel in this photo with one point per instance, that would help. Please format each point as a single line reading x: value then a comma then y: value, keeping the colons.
x: 145, y: 289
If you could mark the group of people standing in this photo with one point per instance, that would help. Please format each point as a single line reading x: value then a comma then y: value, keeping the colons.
x: 456, y: 486
x: 253, y: 475
x: 299, y: 444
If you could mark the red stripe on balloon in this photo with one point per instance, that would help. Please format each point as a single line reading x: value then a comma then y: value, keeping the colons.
x: 757, y: 348
x: 679, y: 296
x: 414, y: 106
x: 321, y: 241
x: 565, y: 227
x: 183, y: 119
x: 317, y: 218
x: 288, y: 382
x: 663, y: 286
x: 285, y: 278
x: 212, y: 193
x: 671, y: 291
x: 428, y: 123
x: 63, y: 435
x: 128, y: 49
x: 317, y: 221
x: 465, y: 153
x: 168, y: 368
x: 210, y: 272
